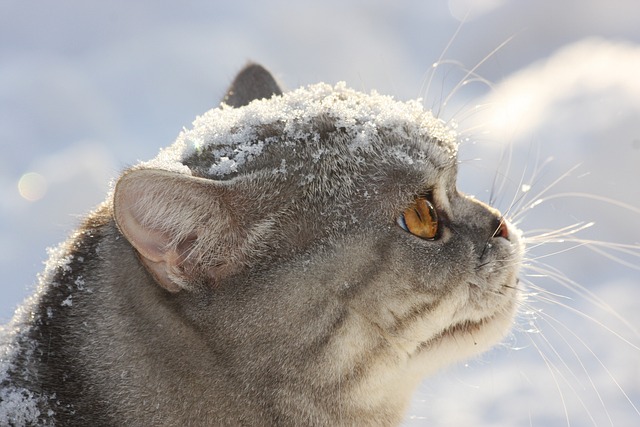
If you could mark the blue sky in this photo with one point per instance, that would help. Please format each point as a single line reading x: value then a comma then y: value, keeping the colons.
x: 89, y: 88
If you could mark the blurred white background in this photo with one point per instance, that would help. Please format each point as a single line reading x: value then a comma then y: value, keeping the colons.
x: 87, y: 88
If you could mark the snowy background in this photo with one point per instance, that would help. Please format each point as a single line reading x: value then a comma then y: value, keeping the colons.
x: 87, y: 88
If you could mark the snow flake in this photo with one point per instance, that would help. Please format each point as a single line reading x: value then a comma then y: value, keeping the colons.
x: 232, y: 135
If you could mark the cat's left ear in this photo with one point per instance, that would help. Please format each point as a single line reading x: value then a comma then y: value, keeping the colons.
x: 180, y: 225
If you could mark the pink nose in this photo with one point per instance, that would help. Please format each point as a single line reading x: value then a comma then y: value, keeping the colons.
x: 502, y: 230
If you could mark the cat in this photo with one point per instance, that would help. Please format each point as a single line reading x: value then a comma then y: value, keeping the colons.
x: 296, y: 258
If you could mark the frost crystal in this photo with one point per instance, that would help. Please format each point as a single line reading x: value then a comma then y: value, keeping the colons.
x: 18, y: 407
x: 231, y: 134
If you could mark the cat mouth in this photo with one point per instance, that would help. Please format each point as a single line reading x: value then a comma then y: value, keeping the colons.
x: 467, y: 327
x: 477, y: 334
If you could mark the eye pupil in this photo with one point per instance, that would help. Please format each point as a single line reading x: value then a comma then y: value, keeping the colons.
x: 420, y: 219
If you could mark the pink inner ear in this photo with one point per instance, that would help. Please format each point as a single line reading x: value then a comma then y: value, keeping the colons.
x: 151, y: 243
x: 154, y: 208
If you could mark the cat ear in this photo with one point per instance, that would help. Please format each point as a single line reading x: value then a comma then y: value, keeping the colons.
x: 252, y: 82
x: 164, y: 216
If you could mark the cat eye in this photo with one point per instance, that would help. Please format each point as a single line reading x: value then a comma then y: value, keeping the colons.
x: 420, y: 219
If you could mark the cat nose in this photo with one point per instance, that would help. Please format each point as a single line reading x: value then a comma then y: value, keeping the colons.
x: 501, y: 229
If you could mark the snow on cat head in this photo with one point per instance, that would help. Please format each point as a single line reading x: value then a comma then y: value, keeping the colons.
x: 231, y: 132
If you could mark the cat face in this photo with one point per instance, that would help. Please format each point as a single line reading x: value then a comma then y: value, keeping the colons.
x: 318, y: 236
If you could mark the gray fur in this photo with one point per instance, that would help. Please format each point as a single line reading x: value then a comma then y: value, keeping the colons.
x: 252, y: 82
x: 279, y: 293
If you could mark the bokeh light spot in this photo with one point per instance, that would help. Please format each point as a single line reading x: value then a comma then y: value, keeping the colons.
x: 32, y: 186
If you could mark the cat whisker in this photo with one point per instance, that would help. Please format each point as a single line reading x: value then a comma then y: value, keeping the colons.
x: 604, y: 248
x: 454, y: 65
x: 557, y: 235
x: 464, y: 112
x: 435, y: 65
x: 594, y: 246
x: 507, y: 263
x: 521, y: 195
x: 553, y: 370
x: 500, y: 189
x: 551, y: 321
x: 504, y: 172
x: 552, y: 254
x: 547, y: 319
x: 535, y: 290
x: 471, y: 73
x: 596, y: 197
x: 537, y: 269
x: 593, y: 299
x: 572, y: 240
x: 538, y: 199
x: 462, y: 115
x: 439, y: 104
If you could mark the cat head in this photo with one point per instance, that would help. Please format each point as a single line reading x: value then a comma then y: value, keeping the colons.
x: 279, y: 175
x: 319, y: 207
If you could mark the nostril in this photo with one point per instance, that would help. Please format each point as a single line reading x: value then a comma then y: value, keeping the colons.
x: 502, y: 230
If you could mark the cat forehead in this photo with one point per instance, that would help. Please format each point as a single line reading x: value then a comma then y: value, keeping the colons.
x: 226, y: 140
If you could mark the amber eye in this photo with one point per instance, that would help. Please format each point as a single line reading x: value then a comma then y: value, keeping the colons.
x: 420, y: 219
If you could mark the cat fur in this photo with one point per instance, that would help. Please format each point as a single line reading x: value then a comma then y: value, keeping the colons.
x: 254, y: 274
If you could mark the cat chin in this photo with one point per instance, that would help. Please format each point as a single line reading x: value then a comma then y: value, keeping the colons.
x: 466, y: 339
